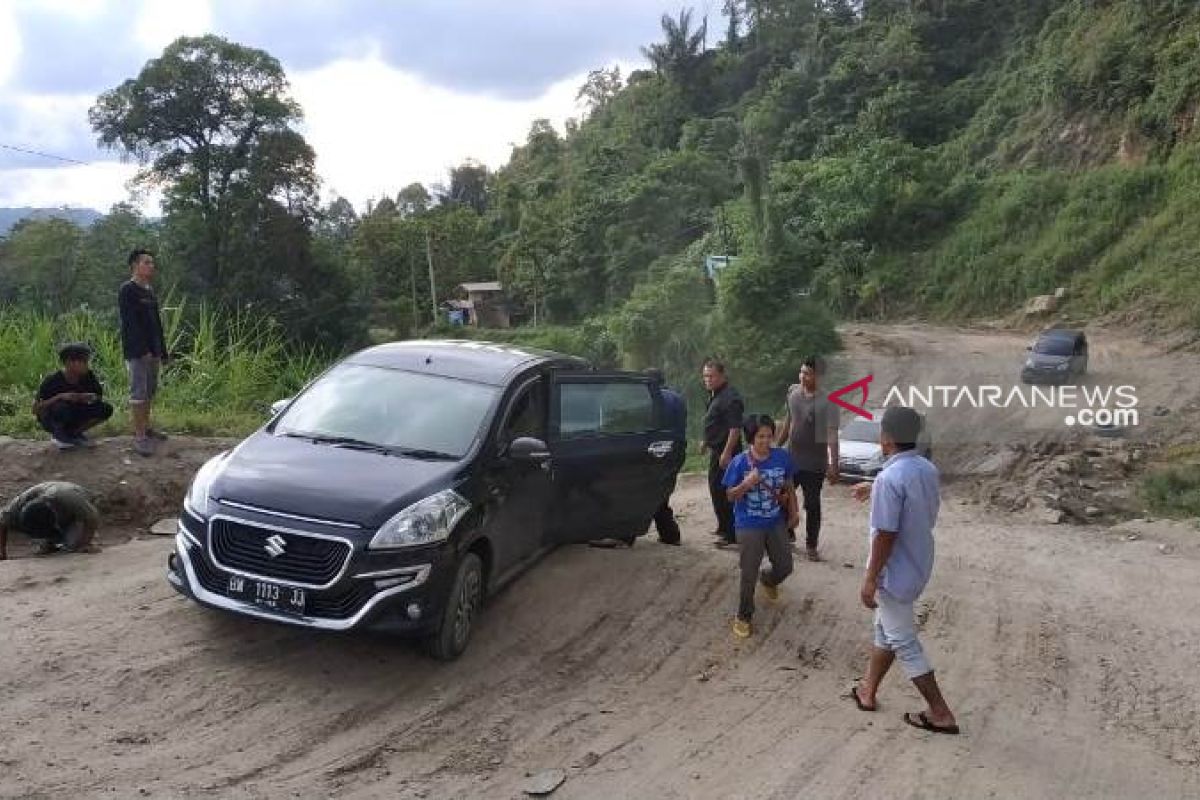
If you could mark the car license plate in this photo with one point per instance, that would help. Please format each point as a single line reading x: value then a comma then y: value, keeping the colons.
x: 285, y: 599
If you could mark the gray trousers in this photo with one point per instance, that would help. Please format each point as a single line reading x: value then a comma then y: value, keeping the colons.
x: 752, y: 544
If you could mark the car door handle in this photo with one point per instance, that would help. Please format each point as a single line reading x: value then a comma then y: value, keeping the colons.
x: 660, y: 449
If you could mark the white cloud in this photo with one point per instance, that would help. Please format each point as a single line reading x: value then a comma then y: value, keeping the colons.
x: 96, y: 186
x: 161, y: 22
x: 10, y: 41
x: 377, y: 129
x: 56, y: 123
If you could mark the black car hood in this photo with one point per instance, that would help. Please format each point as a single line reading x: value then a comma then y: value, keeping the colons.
x: 296, y: 476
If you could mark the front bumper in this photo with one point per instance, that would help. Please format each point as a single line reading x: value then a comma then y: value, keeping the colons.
x: 1054, y: 377
x: 854, y: 473
x: 355, y: 603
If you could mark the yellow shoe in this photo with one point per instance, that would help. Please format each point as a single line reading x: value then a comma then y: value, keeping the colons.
x: 741, y: 629
x: 770, y: 592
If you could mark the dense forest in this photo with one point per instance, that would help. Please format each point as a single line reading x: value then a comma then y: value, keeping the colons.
x: 876, y: 159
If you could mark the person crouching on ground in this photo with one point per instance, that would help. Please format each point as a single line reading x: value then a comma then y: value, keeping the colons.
x: 69, y: 402
x: 759, y: 484
x: 904, y: 508
x: 55, y: 515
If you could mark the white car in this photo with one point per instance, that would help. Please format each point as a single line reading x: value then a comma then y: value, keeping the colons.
x: 860, y: 456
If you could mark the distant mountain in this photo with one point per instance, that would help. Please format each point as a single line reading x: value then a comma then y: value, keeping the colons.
x: 82, y: 217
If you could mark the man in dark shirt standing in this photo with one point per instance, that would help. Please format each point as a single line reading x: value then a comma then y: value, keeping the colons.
x: 810, y: 432
x: 144, y: 346
x: 722, y: 440
x: 675, y: 408
x: 69, y: 401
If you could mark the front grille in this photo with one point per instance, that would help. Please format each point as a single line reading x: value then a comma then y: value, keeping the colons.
x: 304, y: 559
x: 338, y: 603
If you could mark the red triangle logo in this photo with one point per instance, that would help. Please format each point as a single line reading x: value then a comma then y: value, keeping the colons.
x: 864, y: 384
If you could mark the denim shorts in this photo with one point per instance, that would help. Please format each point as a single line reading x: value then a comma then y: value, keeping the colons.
x: 143, y: 379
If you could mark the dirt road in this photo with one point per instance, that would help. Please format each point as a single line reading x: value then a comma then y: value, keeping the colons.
x: 1069, y: 654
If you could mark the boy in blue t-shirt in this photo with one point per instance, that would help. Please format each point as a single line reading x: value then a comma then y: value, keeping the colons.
x: 759, y: 484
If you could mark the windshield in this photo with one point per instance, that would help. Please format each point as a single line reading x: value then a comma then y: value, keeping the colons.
x: 392, y: 409
x: 861, y: 430
x: 1054, y: 346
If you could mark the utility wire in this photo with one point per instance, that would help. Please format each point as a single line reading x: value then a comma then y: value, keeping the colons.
x: 42, y: 155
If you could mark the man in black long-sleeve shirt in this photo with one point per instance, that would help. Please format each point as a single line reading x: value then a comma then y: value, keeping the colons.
x: 144, y: 346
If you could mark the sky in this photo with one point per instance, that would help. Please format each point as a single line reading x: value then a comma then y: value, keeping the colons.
x: 393, y: 91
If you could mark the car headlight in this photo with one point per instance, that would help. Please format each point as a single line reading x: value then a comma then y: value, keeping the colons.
x: 1029, y: 363
x: 1063, y: 367
x: 196, y: 501
x: 425, y: 522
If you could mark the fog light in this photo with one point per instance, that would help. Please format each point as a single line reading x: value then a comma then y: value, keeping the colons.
x: 414, y: 610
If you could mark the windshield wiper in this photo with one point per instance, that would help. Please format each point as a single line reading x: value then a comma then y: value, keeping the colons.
x: 342, y: 441
x: 351, y: 443
x: 425, y: 455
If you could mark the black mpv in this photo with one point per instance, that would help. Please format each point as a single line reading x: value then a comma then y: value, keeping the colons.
x: 411, y: 480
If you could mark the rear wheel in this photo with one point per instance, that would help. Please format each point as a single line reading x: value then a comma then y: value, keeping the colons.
x: 458, y: 618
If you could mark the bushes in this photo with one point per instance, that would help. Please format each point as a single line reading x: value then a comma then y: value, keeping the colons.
x: 228, y: 369
x: 1174, y: 491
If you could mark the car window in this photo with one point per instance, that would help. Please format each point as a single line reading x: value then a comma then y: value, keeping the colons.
x: 527, y: 415
x: 861, y: 430
x: 391, y: 408
x: 1054, y: 346
x: 590, y: 409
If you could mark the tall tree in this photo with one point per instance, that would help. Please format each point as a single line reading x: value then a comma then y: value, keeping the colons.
x: 212, y: 122
x: 413, y: 200
x: 600, y: 88
x: 468, y: 186
x: 679, y: 56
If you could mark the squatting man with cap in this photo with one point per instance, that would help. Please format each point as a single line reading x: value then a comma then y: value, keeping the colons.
x: 70, y: 402
x: 904, y: 509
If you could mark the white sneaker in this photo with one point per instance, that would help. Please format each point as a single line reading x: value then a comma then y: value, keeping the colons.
x: 63, y: 444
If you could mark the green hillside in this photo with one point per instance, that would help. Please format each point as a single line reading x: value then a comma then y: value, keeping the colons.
x: 949, y: 158
x: 877, y: 159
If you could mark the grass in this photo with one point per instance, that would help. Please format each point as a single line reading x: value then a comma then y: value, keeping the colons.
x: 1173, y: 492
x: 227, y: 369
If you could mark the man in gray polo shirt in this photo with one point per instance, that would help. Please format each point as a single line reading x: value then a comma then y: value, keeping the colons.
x: 810, y: 433
x: 904, y: 508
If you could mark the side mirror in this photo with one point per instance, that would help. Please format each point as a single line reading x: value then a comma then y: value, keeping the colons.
x: 278, y: 406
x: 527, y: 450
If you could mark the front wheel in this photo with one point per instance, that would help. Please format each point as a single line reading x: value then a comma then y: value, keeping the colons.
x: 458, y: 618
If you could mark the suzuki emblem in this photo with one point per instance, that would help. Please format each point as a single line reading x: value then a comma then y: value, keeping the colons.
x: 275, y: 546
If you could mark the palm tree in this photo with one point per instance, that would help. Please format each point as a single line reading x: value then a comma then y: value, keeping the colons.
x: 681, y: 53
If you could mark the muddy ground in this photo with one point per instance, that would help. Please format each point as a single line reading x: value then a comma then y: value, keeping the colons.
x: 1067, y: 650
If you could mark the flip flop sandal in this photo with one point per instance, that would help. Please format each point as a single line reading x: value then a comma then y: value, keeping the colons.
x: 853, y: 695
x: 921, y: 721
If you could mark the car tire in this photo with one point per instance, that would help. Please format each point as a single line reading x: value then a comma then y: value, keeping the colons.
x: 462, y: 607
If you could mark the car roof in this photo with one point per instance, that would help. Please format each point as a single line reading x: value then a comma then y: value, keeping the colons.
x: 480, y: 362
x: 1060, y: 333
